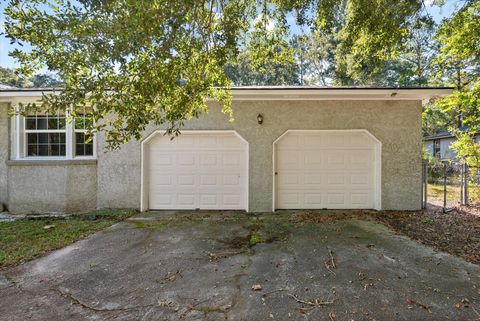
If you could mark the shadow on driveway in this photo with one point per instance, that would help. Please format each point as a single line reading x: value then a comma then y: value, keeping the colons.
x: 202, y: 266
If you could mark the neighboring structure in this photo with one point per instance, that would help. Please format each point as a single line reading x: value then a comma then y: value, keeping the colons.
x: 438, y: 145
x: 288, y: 148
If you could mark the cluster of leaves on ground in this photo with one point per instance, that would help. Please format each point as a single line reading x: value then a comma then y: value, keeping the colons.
x: 455, y: 232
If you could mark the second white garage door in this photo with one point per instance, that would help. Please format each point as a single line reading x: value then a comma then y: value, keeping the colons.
x: 204, y: 170
x: 327, y: 169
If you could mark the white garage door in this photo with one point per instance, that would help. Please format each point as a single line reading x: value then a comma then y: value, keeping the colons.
x: 198, y: 170
x: 327, y: 169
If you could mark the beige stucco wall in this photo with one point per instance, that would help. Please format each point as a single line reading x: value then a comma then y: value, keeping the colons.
x: 36, y: 187
x: 3, y: 152
x: 397, y: 124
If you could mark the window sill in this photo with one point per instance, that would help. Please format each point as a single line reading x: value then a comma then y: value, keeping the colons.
x: 50, y: 162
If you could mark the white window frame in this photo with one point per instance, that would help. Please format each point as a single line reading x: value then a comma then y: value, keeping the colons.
x: 30, y: 131
x: 19, y: 140
x: 74, y: 143
x: 437, y: 150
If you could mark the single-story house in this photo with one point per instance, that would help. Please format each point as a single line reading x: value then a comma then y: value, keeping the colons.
x: 438, y: 144
x: 288, y: 148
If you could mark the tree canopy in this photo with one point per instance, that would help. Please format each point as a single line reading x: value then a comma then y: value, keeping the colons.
x: 158, y: 61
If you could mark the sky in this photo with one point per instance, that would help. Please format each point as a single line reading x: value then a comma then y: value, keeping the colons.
x: 438, y: 13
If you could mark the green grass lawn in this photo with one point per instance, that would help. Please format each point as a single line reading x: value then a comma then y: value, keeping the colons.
x: 24, y: 239
x: 435, y: 191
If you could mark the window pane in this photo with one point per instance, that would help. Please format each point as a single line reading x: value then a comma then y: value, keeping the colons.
x: 54, y: 138
x: 82, y: 148
x: 43, y: 150
x: 54, y: 150
x: 32, y: 150
x: 88, y: 121
x: 52, y: 123
x: 31, y: 138
x: 43, y: 138
x: 89, y: 149
x: 80, y: 122
x: 31, y: 122
x: 61, y: 123
x: 41, y: 122
x: 79, y: 138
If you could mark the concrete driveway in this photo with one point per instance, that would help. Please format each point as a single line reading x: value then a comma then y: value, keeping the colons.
x: 202, y: 266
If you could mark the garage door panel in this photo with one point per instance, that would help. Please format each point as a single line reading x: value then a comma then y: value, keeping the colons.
x: 162, y: 179
x: 208, y: 159
x: 288, y: 160
x: 208, y: 180
x: 312, y: 179
x: 208, y: 141
x: 231, y: 180
x: 164, y: 199
x: 186, y: 199
x: 160, y: 158
x: 208, y: 199
x: 361, y: 179
x: 230, y: 159
x: 312, y: 159
x: 186, y: 180
x: 313, y: 199
x: 335, y: 159
x: 232, y: 200
x: 197, y: 170
x: 333, y: 140
x: 321, y: 169
x: 336, y: 199
x: 185, y: 159
x: 336, y: 179
x: 361, y: 199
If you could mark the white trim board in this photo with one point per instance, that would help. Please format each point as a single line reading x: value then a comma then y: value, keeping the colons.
x: 281, y: 93
x: 377, y: 160
x: 144, y: 190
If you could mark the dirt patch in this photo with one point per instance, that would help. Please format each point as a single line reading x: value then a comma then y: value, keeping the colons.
x: 456, y: 232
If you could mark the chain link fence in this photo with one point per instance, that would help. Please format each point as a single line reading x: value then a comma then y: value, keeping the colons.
x: 450, y: 184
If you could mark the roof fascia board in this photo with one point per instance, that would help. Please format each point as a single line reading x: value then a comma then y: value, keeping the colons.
x: 292, y: 94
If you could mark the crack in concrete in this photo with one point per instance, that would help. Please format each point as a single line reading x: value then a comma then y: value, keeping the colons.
x: 77, y: 301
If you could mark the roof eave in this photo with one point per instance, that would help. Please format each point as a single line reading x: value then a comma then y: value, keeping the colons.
x: 290, y: 93
x: 341, y: 94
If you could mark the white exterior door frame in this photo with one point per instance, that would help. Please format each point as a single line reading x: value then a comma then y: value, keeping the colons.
x: 377, y: 161
x: 144, y: 181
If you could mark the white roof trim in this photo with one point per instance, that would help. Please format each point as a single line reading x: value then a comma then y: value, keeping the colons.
x: 340, y: 94
x: 290, y: 93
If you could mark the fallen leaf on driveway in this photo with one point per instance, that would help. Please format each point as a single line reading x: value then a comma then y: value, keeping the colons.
x: 256, y: 287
